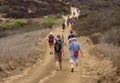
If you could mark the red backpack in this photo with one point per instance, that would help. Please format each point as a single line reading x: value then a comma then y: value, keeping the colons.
x: 51, y: 39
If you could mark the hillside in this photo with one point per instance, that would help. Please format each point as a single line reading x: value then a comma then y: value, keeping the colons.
x: 100, y: 21
x: 32, y: 8
x: 98, y: 17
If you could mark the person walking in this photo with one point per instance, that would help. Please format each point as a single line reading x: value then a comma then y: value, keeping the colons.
x: 63, y: 26
x: 74, y: 48
x: 68, y: 21
x: 74, y: 14
x: 51, y: 42
x: 58, y: 52
x: 71, y: 35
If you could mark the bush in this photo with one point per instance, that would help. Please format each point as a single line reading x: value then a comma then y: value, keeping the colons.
x: 111, y: 37
x: 12, y: 25
x: 95, y: 37
x: 20, y: 23
x: 49, y: 21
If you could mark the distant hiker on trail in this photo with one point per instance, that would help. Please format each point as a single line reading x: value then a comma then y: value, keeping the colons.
x: 74, y: 49
x: 68, y: 21
x: 71, y: 35
x: 51, y: 42
x: 58, y: 52
x: 74, y: 14
x: 63, y: 26
x: 63, y: 44
x: 71, y: 21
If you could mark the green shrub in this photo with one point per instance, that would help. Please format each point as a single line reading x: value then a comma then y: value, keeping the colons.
x: 20, y: 23
x: 49, y: 21
x: 12, y: 25
x: 84, y: 6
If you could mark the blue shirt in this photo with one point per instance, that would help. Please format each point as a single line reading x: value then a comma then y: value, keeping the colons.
x: 71, y: 36
x: 74, y: 46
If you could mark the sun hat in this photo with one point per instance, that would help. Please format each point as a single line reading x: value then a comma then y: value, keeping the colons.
x: 58, y: 35
x: 51, y: 33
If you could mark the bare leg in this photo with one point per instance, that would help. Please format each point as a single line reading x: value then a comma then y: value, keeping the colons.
x: 76, y: 66
x: 57, y: 65
x: 60, y: 65
x: 72, y: 67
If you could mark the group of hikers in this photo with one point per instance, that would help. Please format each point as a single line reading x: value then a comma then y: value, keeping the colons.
x: 70, y: 20
x: 57, y: 45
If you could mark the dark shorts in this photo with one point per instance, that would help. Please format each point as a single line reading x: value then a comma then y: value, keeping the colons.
x: 51, y: 43
x: 58, y: 56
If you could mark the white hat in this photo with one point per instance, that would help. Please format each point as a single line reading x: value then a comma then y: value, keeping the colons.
x: 70, y: 39
x: 74, y: 38
x: 51, y: 33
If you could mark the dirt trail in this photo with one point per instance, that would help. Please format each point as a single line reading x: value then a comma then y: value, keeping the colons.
x: 44, y: 71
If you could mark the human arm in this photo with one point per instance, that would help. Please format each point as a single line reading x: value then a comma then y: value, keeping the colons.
x: 70, y: 46
x: 81, y: 53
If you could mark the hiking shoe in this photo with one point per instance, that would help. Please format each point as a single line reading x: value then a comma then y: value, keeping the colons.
x: 51, y: 53
x: 72, y: 70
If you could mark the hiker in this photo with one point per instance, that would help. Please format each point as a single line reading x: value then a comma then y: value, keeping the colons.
x: 74, y: 14
x: 58, y: 52
x: 51, y: 42
x: 71, y: 35
x: 74, y: 48
x: 63, y: 26
x: 71, y: 21
x: 68, y: 21
x: 63, y: 44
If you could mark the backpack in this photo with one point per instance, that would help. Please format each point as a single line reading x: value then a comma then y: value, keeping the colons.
x: 51, y: 39
x: 58, y: 46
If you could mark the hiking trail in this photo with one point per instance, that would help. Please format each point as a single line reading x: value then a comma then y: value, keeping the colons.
x: 44, y: 71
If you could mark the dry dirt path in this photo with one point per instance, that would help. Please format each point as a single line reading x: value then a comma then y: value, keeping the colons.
x: 44, y: 71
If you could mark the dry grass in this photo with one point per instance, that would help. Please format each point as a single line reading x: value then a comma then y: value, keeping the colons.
x: 111, y: 51
x: 20, y: 51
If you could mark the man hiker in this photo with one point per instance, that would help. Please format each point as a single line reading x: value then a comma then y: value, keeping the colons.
x: 63, y: 26
x: 51, y: 42
x: 73, y: 14
x: 58, y: 52
x: 74, y: 49
x: 71, y: 35
x: 68, y: 21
